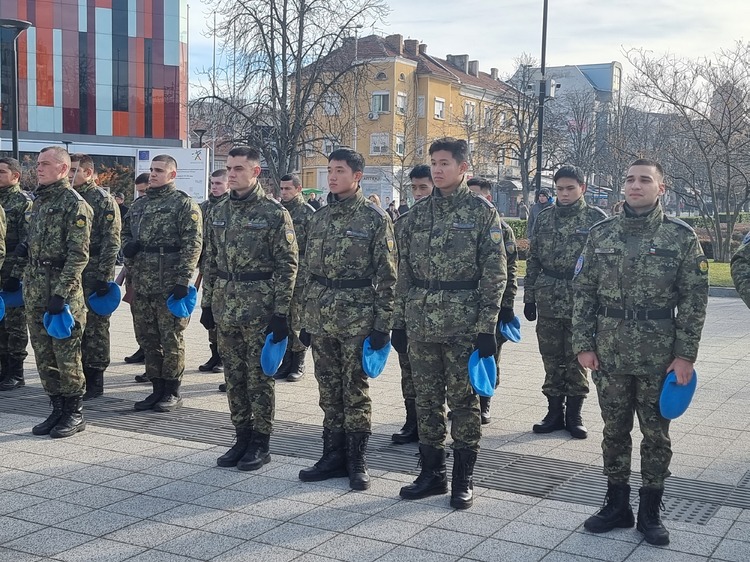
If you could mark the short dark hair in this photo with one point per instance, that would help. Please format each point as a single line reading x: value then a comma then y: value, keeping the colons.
x: 352, y: 158
x: 249, y: 152
x: 571, y: 172
x: 119, y: 195
x: 294, y: 178
x: 649, y: 162
x: 218, y: 173
x: 458, y: 148
x: 483, y: 184
x: 13, y: 165
x: 167, y: 159
x: 84, y: 160
x: 421, y: 171
x: 141, y: 179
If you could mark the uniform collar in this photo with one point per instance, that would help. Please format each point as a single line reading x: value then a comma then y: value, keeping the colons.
x: 44, y: 190
x: 160, y: 190
x: 572, y: 209
x: 335, y: 203
x: 215, y: 199
x: 460, y: 193
x: 253, y: 195
x: 646, y: 222
x: 84, y: 187
x: 297, y: 201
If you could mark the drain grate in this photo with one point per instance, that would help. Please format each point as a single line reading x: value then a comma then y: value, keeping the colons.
x: 690, y: 501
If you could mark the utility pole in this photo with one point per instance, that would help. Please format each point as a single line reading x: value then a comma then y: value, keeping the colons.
x: 542, y: 96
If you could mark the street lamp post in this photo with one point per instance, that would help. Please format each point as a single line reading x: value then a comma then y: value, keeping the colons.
x: 542, y: 95
x: 67, y: 145
x: 356, y: 29
x: 200, y: 133
x: 10, y: 29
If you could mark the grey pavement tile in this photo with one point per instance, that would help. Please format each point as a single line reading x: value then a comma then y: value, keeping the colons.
x: 97, y: 496
x: 500, y: 509
x: 445, y: 541
x: 100, y: 549
x: 511, y: 497
x: 175, y: 470
x: 716, y: 526
x: 386, y: 529
x: 142, y: 506
x: 685, y: 541
x: 50, y: 512
x: 470, y: 523
x: 567, y: 557
x: 416, y: 512
x: 159, y: 556
x: 137, y: 482
x: 12, y: 479
x: 533, y: 535
x: 189, y: 515
x: 353, y: 549
x: 311, y: 493
x: 556, y: 518
x: 309, y: 557
x: 55, y: 467
x: 133, y: 462
x: 258, y: 551
x: 96, y: 474
x: 726, y: 512
x: 241, y: 525
x: 596, y: 547
x: 295, y: 537
x: 11, y: 528
x: 337, y: 520
x: 733, y: 550
x: 131, y: 447
x: 48, y: 542
x: 203, y: 458
x: 182, y: 491
x: 406, y: 553
x: 200, y: 544
x: 215, y: 476
x: 170, y: 452
x: 229, y: 500
x: 52, y: 488
x: 97, y: 523
x: 492, y: 550
x: 361, y: 503
x: 147, y: 533
x: 648, y: 553
x: 277, y: 508
x: 263, y: 485
x: 740, y: 531
x: 21, y: 460
x: 8, y: 555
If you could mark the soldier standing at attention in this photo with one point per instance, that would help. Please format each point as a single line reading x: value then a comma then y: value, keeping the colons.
x: 14, y: 336
x: 103, y: 250
x: 162, y: 239
x: 421, y: 187
x: 250, y: 267
x: 290, y: 190
x: 740, y: 270
x: 636, y: 269
x: 557, y: 240
x: 58, y: 250
x: 351, y: 262
x: 451, y: 279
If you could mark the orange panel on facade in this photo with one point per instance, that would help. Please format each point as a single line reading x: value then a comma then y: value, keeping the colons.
x: 45, y: 15
x: 120, y: 123
x: 45, y: 84
x: 147, y: 22
x: 157, y: 104
x: 104, y: 3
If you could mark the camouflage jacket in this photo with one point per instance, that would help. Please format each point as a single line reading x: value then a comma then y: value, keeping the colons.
x: 105, y: 234
x: 638, y: 263
x: 59, y: 237
x: 511, y: 255
x: 347, y: 240
x: 253, y: 235
x: 167, y: 223
x: 301, y: 213
x: 205, y: 207
x: 449, y: 239
x: 17, y: 206
x: 741, y: 270
x: 557, y: 240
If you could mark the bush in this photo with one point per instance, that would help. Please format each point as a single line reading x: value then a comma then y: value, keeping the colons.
x: 518, y: 226
x: 522, y: 244
x: 701, y: 222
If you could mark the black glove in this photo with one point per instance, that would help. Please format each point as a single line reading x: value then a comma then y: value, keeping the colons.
x: 399, y: 340
x: 486, y: 344
x: 529, y: 311
x: 179, y: 292
x: 507, y: 315
x: 12, y: 284
x: 130, y: 249
x: 305, y: 337
x: 378, y: 339
x: 22, y: 250
x: 279, y: 327
x: 101, y: 288
x: 56, y: 304
x: 207, y: 318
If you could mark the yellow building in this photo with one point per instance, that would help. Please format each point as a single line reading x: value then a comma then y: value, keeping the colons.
x: 400, y: 100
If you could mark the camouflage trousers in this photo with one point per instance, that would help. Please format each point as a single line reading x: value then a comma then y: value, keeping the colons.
x: 160, y: 335
x: 342, y: 383
x: 58, y: 361
x: 564, y: 375
x: 440, y: 372
x: 14, y: 337
x: 295, y: 311
x: 407, y: 377
x: 620, y: 397
x: 95, y: 342
x: 250, y: 392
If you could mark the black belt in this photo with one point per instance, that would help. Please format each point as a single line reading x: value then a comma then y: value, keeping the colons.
x: 56, y: 263
x: 343, y: 283
x: 247, y: 276
x: 558, y: 274
x: 658, y: 314
x: 160, y: 249
x: 436, y: 285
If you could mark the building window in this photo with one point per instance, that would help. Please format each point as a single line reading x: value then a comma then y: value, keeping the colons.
x: 420, y: 106
x: 489, y: 119
x: 470, y: 111
x: 420, y: 147
x: 400, y: 145
x: 439, y: 108
x: 381, y: 76
x: 330, y: 144
x: 379, y: 144
x: 402, y: 77
x: 401, y: 103
x: 381, y: 102
x: 331, y: 104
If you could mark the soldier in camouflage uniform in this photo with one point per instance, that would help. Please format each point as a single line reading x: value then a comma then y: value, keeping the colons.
x: 58, y: 250
x: 635, y: 270
x: 250, y: 269
x: 559, y: 234
x: 218, y: 192
x: 741, y: 270
x: 421, y: 187
x: 162, y: 237
x: 350, y: 265
x: 452, y: 275
x: 103, y: 250
x: 14, y: 336
x: 290, y: 188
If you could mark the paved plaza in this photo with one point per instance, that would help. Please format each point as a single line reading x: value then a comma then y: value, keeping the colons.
x: 143, y: 486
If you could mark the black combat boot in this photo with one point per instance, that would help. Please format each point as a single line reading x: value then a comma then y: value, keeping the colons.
x: 257, y: 453
x: 138, y: 357
x: 555, y: 418
x: 462, y: 481
x: 333, y: 462
x: 233, y: 455
x: 286, y: 366
x: 616, y: 511
x: 152, y: 399
x: 171, y: 399
x: 58, y: 402
x: 356, y: 460
x: 649, y: 518
x: 94, y: 383
x: 72, y: 420
x: 409, y: 433
x: 3, y: 369
x: 573, y: 420
x: 223, y: 387
x: 213, y: 361
x: 141, y: 378
x: 298, y: 366
x: 484, y: 409
x: 13, y: 374
x: 432, y: 480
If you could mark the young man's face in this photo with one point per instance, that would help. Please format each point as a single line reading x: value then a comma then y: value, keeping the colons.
x: 7, y: 178
x: 568, y: 191
x: 447, y: 172
x: 119, y: 200
x: 421, y: 188
x: 241, y: 172
x: 219, y: 185
x: 49, y: 168
x: 288, y: 191
x: 543, y: 199
x: 342, y: 180
x: 161, y: 173
x: 643, y: 187
x: 77, y: 175
x: 140, y: 189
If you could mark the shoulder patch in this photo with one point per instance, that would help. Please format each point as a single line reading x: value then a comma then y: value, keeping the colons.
x: 702, y: 263
x: 496, y: 234
x: 81, y: 221
x: 109, y: 216
x: 679, y: 222
x: 195, y: 216
x: 375, y: 208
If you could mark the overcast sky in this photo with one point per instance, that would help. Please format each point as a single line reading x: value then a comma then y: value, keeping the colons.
x: 579, y: 31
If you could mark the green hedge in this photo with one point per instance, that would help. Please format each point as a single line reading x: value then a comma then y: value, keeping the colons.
x: 701, y: 222
x: 518, y: 226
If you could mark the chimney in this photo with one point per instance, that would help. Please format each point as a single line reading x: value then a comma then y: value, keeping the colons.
x: 423, y: 48
x: 493, y: 73
x: 410, y: 47
x: 461, y: 62
x: 474, y: 68
x: 396, y: 42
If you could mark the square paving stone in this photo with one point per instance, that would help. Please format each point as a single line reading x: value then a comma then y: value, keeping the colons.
x: 8, y: 555
x: 310, y: 493
x: 159, y: 556
x: 11, y: 528
x: 201, y: 545
x: 442, y: 540
x: 295, y: 537
x: 258, y: 551
x: 147, y: 533
x: 219, y: 477
x: 13, y: 501
x: 404, y: 553
x: 702, y: 545
x: 97, y: 496
x: 241, y: 525
x: 557, y: 518
x: 96, y: 474
x: 534, y: 535
x: 228, y: 500
x: 48, y: 542
x: 353, y: 549
x: 384, y: 529
x: 493, y: 550
x: 188, y: 515
x: 142, y: 506
x: 175, y: 470
x: 137, y: 482
x: 648, y: 553
x: 51, y: 512
x: 416, y: 512
x: 278, y: 508
x: 596, y: 547
x: 13, y: 479
x: 182, y: 491
x: 337, y: 520
x: 361, y: 503
x: 733, y: 550
x: 470, y: 523
x: 98, y: 523
x: 263, y: 486
x: 99, y: 550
